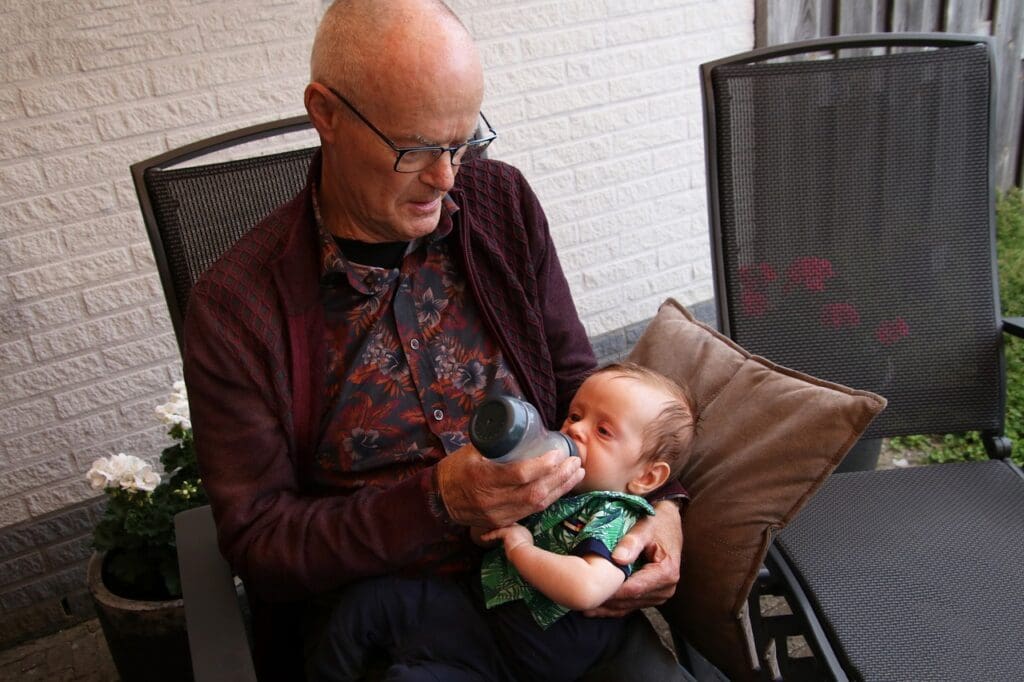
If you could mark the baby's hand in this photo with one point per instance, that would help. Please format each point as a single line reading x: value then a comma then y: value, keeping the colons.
x: 513, y: 536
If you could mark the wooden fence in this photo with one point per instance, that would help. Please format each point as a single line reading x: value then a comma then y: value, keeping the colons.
x: 782, y: 21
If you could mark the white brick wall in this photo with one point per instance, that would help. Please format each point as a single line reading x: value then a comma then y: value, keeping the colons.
x: 597, y: 101
x: 86, y: 88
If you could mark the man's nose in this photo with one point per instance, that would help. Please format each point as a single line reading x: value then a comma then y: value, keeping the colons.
x: 441, y: 174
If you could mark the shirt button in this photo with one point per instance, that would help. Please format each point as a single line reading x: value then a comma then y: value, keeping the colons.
x: 415, y: 343
x: 438, y: 415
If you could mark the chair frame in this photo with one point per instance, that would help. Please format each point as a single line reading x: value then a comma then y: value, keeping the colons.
x: 776, y: 577
x: 180, y: 155
x: 218, y: 639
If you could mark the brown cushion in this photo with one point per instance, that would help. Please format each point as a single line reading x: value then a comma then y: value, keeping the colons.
x: 767, y: 438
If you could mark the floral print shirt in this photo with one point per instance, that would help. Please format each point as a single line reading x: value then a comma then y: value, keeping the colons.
x: 408, y: 359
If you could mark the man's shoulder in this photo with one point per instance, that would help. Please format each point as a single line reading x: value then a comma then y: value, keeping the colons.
x: 246, y: 267
x: 489, y: 180
x: 498, y: 203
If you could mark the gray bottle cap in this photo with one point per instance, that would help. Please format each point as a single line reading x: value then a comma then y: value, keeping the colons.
x: 498, y: 425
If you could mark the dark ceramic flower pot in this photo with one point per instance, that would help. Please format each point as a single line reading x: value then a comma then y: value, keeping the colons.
x: 147, y: 639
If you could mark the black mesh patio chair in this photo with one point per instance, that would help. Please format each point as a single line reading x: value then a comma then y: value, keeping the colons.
x: 194, y: 214
x: 851, y: 204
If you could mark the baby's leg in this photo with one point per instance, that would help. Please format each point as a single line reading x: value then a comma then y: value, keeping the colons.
x: 452, y: 643
x: 565, y: 651
x: 422, y: 628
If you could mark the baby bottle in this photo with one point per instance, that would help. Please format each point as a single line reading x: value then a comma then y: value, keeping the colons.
x: 506, y: 429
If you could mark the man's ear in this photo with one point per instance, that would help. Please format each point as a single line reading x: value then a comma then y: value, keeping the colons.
x: 321, y: 107
x: 651, y: 478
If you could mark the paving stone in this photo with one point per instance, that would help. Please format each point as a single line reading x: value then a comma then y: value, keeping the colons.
x: 76, y: 654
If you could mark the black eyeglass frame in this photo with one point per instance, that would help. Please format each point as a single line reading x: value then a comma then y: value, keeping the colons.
x: 437, y: 150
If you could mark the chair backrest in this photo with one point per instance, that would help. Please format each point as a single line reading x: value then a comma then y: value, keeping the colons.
x: 194, y: 214
x: 852, y: 217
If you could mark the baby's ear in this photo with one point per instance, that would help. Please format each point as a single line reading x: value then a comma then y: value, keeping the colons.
x: 651, y: 478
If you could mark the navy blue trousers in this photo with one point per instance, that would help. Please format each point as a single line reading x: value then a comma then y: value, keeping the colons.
x: 436, y: 629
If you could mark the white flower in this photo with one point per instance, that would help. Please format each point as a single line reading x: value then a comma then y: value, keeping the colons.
x: 122, y: 471
x: 147, y: 479
x: 175, y: 410
x: 99, y: 475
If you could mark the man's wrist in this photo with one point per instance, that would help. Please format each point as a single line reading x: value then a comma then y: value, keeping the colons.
x: 435, y: 499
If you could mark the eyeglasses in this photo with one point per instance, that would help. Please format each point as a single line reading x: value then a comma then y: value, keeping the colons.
x: 415, y: 159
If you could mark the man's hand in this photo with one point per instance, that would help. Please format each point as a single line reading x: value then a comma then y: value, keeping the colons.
x: 660, y: 538
x: 479, y: 492
x: 476, y: 534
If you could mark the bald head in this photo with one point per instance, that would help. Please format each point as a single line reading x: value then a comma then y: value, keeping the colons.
x: 398, y: 48
x: 411, y: 68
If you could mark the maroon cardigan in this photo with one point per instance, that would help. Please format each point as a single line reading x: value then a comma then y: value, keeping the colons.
x: 254, y: 366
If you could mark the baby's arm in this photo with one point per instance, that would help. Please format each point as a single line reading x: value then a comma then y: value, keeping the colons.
x: 577, y: 583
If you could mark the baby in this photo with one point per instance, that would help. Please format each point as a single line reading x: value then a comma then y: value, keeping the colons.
x: 633, y: 428
x: 522, y: 620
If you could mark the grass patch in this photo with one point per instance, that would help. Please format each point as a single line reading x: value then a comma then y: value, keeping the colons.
x: 1010, y: 248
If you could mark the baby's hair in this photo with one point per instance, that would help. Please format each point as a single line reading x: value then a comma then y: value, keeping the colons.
x: 669, y: 437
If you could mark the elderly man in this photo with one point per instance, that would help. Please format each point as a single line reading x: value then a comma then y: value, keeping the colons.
x: 335, y: 354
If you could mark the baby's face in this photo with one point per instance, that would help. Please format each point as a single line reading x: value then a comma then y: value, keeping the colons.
x: 607, y: 418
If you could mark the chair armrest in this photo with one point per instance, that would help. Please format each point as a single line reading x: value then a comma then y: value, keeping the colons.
x: 217, y: 639
x: 1014, y: 326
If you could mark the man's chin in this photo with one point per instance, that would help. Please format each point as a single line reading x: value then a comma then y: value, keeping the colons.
x: 421, y: 225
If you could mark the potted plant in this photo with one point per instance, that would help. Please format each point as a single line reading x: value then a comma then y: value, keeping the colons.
x: 133, y: 575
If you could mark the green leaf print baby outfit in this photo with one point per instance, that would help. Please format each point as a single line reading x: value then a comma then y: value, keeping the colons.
x: 593, y: 522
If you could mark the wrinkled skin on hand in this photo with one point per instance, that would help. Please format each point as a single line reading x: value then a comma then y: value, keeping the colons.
x: 486, y: 494
x: 660, y: 539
